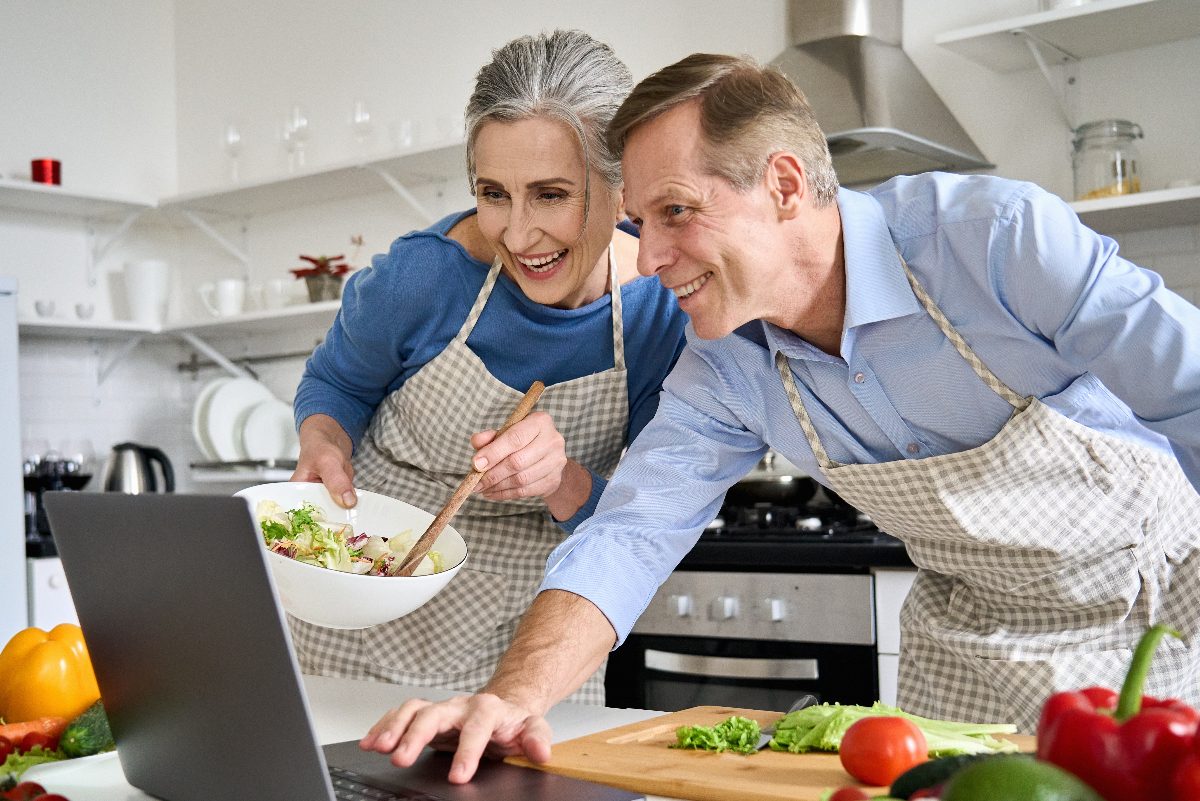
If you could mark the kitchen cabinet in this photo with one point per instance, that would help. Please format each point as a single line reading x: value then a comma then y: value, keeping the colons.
x: 891, y: 588
x: 1069, y: 34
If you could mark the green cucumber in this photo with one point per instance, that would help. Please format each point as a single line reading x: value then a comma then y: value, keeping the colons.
x: 87, y: 734
x: 931, y: 773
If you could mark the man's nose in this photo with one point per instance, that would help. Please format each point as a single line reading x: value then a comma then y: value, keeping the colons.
x: 653, y: 253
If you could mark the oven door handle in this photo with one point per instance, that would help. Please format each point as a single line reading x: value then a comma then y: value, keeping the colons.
x: 729, y: 667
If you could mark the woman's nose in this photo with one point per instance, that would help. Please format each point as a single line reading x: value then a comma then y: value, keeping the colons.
x: 521, y: 232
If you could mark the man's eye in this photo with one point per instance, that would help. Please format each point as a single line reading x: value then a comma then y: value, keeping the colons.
x: 675, y: 210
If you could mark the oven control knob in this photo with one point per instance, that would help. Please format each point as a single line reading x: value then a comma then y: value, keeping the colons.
x: 725, y: 607
x: 775, y: 608
x: 682, y: 604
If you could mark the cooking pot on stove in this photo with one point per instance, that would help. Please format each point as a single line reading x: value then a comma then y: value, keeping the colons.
x: 774, y: 480
x: 778, y: 482
x: 129, y: 470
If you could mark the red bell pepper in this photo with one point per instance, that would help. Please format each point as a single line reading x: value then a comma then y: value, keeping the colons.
x: 1127, y: 747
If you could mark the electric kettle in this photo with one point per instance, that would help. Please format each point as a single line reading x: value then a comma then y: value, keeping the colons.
x: 129, y: 469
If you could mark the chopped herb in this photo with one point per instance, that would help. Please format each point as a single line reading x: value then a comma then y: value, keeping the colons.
x: 735, y: 734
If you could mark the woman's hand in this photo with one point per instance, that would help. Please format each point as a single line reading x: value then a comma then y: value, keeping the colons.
x: 529, y: 460
x: 325, y: 450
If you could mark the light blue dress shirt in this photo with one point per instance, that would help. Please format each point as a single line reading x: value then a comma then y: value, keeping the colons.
x: 1045, y: 302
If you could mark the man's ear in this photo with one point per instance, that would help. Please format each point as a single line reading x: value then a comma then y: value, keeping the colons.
x: 620, y: 210
x: 787, y: 182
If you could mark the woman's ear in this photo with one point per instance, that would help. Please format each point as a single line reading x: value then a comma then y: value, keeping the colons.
x: 620, y: 203
x: 787, y: 182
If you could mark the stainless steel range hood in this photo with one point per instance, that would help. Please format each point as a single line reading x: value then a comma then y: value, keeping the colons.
x: 880, y: 116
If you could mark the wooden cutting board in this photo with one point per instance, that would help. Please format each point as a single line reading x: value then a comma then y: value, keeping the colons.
x: 636, y: 757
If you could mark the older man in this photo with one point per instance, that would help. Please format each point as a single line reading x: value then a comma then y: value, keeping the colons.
x: 956, y: 356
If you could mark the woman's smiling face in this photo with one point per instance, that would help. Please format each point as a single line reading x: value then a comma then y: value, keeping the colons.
x: 530, y: 191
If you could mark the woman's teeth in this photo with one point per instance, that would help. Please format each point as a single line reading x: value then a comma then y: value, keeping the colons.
x: 542, y: 264
x: 684, y: 291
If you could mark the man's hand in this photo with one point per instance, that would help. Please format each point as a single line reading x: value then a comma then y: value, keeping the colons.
x: 473, y: 726
x: 325, y: 450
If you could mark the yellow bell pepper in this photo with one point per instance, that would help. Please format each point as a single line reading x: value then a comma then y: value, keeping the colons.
x: 46, y: 674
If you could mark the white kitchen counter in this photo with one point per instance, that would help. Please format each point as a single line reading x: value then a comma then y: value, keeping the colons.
x: 342, y: 709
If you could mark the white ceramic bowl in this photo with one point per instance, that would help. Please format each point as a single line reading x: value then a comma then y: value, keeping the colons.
x: 341, y: 600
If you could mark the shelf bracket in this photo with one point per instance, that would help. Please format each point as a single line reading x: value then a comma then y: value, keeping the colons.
x: 214, y: 354
x: 1064, y: 95
x: 216, y: 236
x: 403, y: 191
x: 105, y: 370
x: 99, y: 249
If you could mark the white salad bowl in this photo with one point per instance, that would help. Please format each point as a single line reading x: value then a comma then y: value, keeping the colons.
x: 342, y: 600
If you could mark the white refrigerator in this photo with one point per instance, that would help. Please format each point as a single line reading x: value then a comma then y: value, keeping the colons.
x: 14, y: 610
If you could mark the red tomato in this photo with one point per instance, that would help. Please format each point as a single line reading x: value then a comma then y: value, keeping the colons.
x: 35, y: 739
x: 6, y: 748
x: 849, y: 794
x: 51, y: 797
x: 877, y: 750
x: 25, y: 791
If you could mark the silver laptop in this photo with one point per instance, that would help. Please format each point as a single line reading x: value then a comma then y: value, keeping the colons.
x: 197, y: 672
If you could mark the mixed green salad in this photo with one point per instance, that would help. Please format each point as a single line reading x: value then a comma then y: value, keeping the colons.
x: 307, y: 535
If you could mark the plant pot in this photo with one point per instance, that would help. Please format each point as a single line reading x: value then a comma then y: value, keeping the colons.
x: 323, y: 287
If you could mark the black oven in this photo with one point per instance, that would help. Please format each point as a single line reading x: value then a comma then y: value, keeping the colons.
x: 774, y: 601
x: 749, y: 639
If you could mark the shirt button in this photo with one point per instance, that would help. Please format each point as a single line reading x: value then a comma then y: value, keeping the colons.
x: 913, y: 447
x: 859, y: 378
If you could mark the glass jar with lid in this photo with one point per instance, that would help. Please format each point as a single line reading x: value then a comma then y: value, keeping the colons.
x: 1106, y: 159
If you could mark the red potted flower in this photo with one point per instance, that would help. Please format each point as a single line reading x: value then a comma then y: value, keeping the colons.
x: 324, y: 277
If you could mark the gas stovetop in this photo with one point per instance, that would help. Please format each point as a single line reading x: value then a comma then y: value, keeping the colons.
x: 773, y: 537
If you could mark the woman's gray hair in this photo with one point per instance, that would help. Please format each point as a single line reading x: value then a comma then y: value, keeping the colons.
x: 566, y: 76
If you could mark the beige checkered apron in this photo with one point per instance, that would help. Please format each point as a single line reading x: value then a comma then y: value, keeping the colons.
x: 1043, y: 553
x: 417, y: 449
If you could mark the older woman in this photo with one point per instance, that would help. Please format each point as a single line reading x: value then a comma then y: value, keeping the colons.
x: 437, y: 341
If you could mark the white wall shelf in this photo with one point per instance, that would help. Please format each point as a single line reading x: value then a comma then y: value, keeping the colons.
x: 337, y: 182
x: 1092, y: 29
x: 255, y: 322
x: 1161, y: 208
x: 50, y: 199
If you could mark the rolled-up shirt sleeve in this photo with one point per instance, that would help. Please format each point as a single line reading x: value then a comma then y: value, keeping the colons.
x: 667, y: 488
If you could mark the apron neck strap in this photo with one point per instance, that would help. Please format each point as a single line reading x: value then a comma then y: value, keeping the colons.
x: 1017, y: 401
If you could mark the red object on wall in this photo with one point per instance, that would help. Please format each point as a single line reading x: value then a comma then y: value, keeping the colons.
x: 46, y: 171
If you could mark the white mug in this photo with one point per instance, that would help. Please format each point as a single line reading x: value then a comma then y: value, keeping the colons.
x: 224, y: 298
x: 147, y: 284
x: 277, y: 293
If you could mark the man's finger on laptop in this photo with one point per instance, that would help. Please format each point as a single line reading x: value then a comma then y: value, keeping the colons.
x: 535, y: 739
x: 385, y: 734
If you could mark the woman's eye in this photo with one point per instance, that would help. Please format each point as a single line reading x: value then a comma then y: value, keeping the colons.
x: 551, y: 195
x: 491, y: 194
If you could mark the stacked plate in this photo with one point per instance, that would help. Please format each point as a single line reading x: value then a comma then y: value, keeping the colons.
x: 238, y: 418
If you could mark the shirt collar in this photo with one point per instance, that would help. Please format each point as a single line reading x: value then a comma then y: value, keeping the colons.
x: 876, y: 286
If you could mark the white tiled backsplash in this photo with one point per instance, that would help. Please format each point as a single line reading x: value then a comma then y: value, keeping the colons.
x: 146, y: 399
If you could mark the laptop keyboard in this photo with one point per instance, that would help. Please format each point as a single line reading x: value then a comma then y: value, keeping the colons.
x: 349, y: 786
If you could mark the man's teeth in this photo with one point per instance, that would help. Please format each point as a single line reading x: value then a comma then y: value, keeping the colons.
x: 687, y: 289
x: 543, y: 264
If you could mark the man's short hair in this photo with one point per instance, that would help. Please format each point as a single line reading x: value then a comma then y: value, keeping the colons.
x: 747, y: 113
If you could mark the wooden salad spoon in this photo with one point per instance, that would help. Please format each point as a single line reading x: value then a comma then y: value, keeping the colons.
x: 422, y: 545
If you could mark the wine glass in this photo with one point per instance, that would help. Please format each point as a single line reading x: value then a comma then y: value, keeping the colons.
x: 233, y: 148
x: 295, y: 135
x: 79, y: 463
x: 360, y: 121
